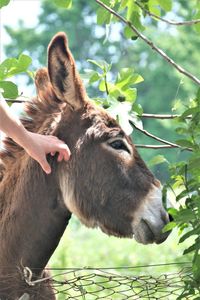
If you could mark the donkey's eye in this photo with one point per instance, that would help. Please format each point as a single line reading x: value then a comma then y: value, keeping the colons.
x: 119, y: 145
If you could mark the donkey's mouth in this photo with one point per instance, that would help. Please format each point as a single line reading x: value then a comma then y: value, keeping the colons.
x: 145, y: 233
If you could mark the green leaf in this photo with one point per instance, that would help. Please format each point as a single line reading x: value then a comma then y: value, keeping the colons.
x: 190, y: 249
x: 185, y: 143
x: 10, y: 89
x: 185, y: 215
x: 172, y: 211
x: 13, y: 66
x: 124, y: 3
x: 137, y: 108
x: 169, y: 226
x: 130, y: 94
x: 153, y: 8
x: 4, y: 3
x: 165, y: 4
x: 198, y: 94
x: 24, y: 62
x: 188, y: 112
x: 134, y: 18
x: 197, y: 26
x: 63, y: 3
x: 195, y: 231
x: 94, y: 77
x: 129, y: 33
x: 126, y: 78
x: 159, y: 159
x: 103, y: 16
x: 103, y: 65
x: 195, y: 267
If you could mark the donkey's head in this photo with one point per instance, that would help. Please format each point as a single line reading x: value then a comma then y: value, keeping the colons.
x: 105, y: 183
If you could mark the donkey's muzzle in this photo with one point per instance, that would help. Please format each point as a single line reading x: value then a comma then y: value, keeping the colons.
x: 148, y: 232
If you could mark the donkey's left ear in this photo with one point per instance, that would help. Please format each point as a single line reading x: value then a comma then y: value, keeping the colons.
x: 64, y: 78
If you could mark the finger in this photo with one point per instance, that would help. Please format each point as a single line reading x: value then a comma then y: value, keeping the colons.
x: 60, y: 157
x: 66, y: 152
x: 45, y: 165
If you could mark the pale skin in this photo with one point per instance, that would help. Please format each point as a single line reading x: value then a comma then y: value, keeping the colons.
x: 36, y: 145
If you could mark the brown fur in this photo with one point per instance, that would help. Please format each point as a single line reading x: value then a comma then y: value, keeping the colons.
x: 101, y: 185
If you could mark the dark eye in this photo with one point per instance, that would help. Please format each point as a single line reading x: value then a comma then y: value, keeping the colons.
x: 119, y: 145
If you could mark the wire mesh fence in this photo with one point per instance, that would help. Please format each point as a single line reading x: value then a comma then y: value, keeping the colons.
x: 119, y: 283
x: 135, y: 283
x: 93, y: 284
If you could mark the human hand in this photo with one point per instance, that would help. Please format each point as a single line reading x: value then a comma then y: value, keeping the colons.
x: 38, y: 146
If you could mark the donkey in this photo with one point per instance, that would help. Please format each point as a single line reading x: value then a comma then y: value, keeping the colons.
x: 105, y: 183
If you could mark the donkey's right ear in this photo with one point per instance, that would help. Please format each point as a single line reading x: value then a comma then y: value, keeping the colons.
x: 64, y: 78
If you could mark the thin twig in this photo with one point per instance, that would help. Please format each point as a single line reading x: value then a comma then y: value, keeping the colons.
x: 157, y: 138
x: 159, y: 116
x: 16, y: 100
x: 162, y: 116
x: 170, y: 22
x: 150, y: 43
x: 106, y: 85
x: 155, y: 146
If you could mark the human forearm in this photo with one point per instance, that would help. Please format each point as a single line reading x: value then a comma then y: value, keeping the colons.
x: 11, y: 125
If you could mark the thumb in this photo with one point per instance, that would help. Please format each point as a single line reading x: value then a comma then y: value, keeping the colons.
x: 45, y: 165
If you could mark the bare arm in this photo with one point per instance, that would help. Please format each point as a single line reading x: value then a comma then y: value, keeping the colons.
x: 36, y: 145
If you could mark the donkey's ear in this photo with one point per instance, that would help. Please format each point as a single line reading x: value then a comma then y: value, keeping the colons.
x: 64, y: 78
x: 44, y: 87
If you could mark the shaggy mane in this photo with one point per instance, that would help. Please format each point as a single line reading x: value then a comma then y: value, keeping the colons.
x: 40, y: 114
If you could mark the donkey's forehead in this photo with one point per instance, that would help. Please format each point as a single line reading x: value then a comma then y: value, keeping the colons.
x: 102, y: 123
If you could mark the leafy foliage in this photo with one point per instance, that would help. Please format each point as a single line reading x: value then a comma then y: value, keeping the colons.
x: 4, y: 3
x: 11, y: 67
x: 63, y: 3
x: 185, y: 178
x: 120, y: 94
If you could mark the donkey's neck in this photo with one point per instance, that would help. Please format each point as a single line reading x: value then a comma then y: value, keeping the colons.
x: 34, y: 221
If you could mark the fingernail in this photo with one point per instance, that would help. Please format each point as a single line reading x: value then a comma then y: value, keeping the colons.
x: 48, y: 171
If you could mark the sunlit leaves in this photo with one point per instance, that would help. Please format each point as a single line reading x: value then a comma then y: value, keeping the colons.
x: 169, y: 227
x: 197, y: 26
x: 186, y: 182
x: 165, y: 4
x: 9, y: 68
x: 63, y: 3
x: 119, y: 94
x: 103, y: 16
x: 195, y: 266
x: 13, y: 66
x: 4, y: 3
x: 10, y: 89
x: 156, y: 160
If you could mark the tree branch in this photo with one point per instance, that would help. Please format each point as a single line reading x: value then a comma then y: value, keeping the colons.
x: 154, y: 146
x: 161, y: 116
x: 144, y: 115
x: 150, y: 43
x: 172, y: 145
x: 170, y: 22
x: 154, y: 116
x: 16, y: 100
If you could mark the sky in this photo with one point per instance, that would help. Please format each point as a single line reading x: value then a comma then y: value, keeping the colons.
x: 27, y: 10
